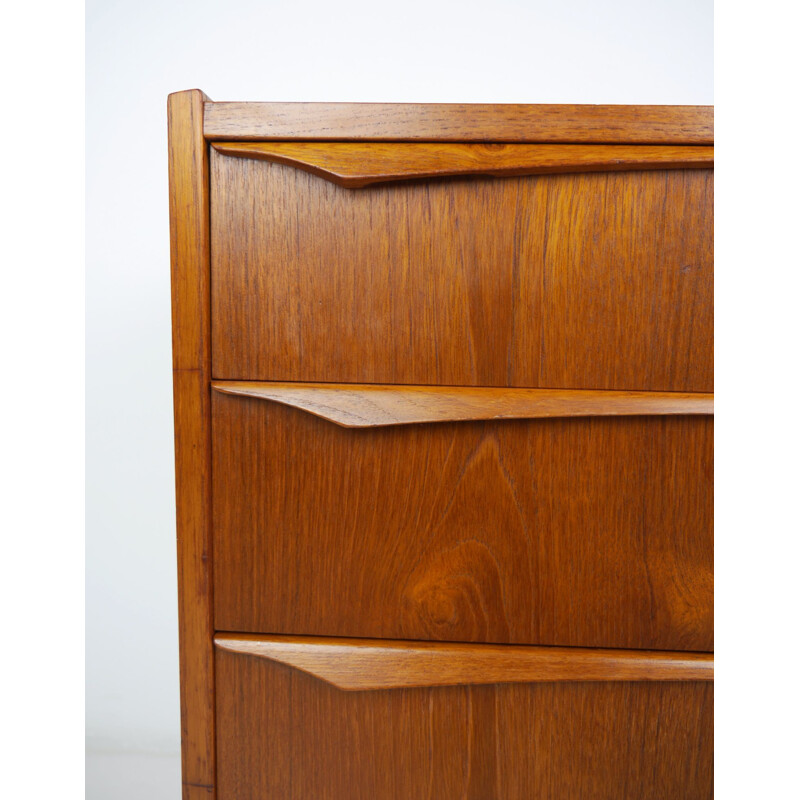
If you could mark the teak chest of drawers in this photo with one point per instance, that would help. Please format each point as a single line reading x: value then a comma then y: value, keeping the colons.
x: 444, y: 434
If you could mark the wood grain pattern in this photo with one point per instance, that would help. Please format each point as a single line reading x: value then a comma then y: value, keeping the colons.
x: 370, y: 664
x: 356, y: 164
x: 461, y: 122
x: 373, y: 406
x: 593, y: 281
x: 536, y: 544
x: 586, y: 532
x: 286, y: 735
x: 189, y: 247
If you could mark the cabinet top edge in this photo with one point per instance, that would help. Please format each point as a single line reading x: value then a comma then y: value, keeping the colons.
x: 460, y: 122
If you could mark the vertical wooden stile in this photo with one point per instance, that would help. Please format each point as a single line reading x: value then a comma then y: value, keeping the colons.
x: 189, y: 246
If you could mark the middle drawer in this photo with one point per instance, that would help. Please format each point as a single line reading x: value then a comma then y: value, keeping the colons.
x: 591, y: 531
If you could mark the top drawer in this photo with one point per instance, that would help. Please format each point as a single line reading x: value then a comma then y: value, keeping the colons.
x: 383, y: 263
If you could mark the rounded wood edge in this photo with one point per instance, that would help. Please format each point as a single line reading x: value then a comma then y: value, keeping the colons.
x: 354, y: 165
x: 378, y: 405
x: 190, y: 269
x: 454, y: 122
x: 373, y: 664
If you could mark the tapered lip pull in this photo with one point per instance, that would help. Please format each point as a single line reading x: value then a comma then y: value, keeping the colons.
x: 375, y: 405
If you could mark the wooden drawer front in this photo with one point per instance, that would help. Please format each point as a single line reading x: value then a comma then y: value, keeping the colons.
x: 588, y: 280
x: 593, y: 531
x: 284, y: 731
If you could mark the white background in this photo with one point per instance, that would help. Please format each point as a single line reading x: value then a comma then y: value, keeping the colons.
x: 138, y: 52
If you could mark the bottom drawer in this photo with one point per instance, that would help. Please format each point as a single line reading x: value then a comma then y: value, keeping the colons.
x: 359, y: 719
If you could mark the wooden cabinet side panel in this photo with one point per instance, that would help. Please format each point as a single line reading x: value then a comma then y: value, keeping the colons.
x: 286, y: 734
x: 189, y: 240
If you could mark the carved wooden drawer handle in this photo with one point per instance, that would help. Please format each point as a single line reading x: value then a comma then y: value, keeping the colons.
x: 357, y: 164
x: 375, y: 405
x: 361, y: 664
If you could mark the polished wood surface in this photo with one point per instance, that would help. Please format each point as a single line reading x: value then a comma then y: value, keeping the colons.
x: 369, y: 664
x: 456, y: 122
x: 285, y: 734
x: 373, y: 406
x: 356, y: 164
x: 191, y: 350
x: 590, y: 532
x: 515, y: 600
x: 593, y: 281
